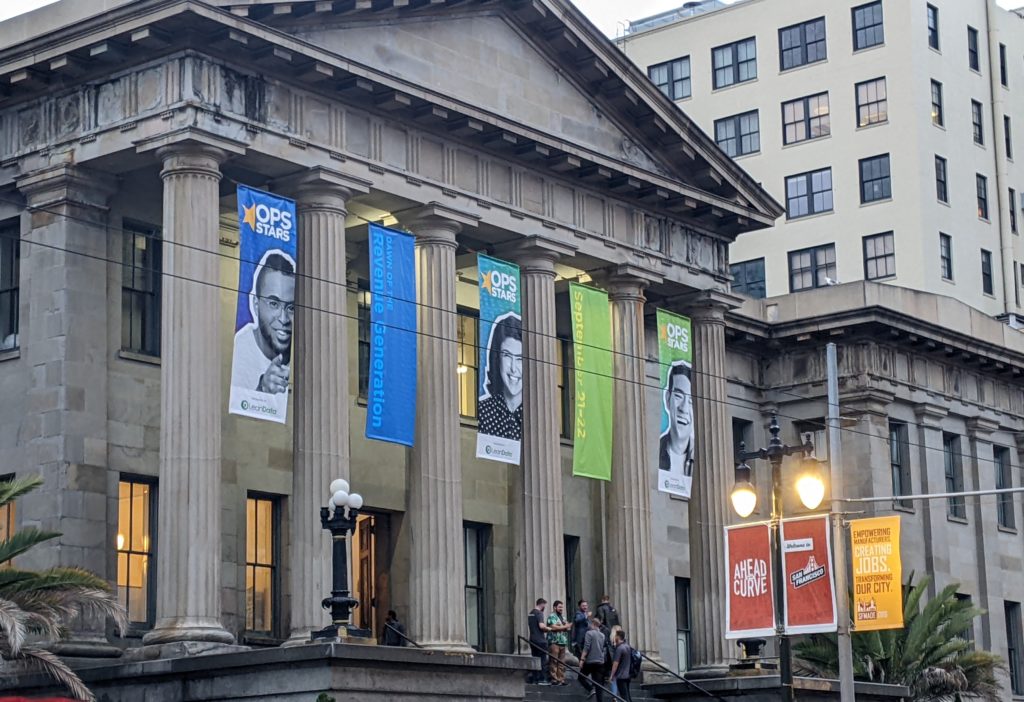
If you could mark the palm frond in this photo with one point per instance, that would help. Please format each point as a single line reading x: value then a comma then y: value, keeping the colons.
x: 47, y: 662
x: 70, y: 602
x: 13, y: 624
x: 22, y: 540
x: 14, y: 488
x: 56, y: 579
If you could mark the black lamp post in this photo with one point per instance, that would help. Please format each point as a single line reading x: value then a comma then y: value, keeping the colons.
x: 811, y: 489
x: 340, y: 603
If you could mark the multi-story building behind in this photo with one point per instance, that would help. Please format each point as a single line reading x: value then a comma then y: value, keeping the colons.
x: 886, y: 128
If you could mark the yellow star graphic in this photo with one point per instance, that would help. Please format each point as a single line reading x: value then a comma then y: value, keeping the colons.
x: 487, y: 283
x: 249, y: 216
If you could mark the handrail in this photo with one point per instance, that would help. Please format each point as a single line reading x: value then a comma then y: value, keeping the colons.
x: 673, y: 673
x: 570, y: 666
x: 406, y: 638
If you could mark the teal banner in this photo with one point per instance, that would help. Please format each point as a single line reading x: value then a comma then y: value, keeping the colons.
x: 500, y: 407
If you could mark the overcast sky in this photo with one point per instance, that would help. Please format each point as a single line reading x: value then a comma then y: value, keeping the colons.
x: 610, y: 16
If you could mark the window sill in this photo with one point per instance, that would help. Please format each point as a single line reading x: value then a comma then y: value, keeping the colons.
x: 879, y: 201
x: 935, y: 49
x: 951, y: 281
x: 1006, y: 529
x: 944, y: 203
x: 865, y: 127
x: 986, y: 220
x: 743, y: 156
x: 902, y: 508
x: 883, y: 279
x: 815, y: 215
x: 937, y: 125
x: 956, y: 520
x: 880, y: 45
x: 808, y: 140
x: 10, y: 354
x: 677, y: 498
x: 809, y: 64
x: 138, y: 357
x: 991, y: 296
x: 749, y: 81
x: 980, y: 145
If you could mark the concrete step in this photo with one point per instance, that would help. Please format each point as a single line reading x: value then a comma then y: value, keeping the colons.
x: 573, y: 692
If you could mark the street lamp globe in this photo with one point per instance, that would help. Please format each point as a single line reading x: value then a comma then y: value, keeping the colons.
x: 744, y: 497
x: 810, y: 486
x: 339, y: 484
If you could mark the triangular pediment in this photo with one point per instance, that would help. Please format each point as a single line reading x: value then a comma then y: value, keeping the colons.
x: 482, y: 59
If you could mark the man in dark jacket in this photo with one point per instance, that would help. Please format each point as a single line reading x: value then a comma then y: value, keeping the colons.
x: 620, y: 666
x: 580, y: 624
x: 393, y: 632
x: 607, y: 612
x: 592, y: 659
x: 539, y: 642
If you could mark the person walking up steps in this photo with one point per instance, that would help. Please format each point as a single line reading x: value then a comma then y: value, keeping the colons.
x: 558, y: 640
x: 592, y: 661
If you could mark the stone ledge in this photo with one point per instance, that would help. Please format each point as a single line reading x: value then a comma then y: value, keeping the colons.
x: 767, y: 688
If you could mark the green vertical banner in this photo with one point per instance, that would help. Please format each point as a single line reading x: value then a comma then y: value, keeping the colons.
x: 675, y: 442
x: 592, y: 354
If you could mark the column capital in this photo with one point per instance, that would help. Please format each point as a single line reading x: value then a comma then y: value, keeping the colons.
x: 436, y: 223
x: 707, y: 305
x: 321, y: 187
x: 867, y: 402
x: 535, y: 253
x: 981, y: 427
x: 625, y: 281
x: 192, y: 138
x: 930, y: 416
x: 68, y: 184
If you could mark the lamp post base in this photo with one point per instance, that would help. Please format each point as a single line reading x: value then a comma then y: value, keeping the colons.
x: 343, y: 633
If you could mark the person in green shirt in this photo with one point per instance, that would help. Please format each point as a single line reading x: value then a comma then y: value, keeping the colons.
x: 558, y: 640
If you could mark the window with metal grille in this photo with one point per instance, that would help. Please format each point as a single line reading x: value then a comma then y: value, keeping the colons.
x: 141, y: 266
x: 981, y: 183
x: 954, y: 475
x: 937, y: 116
x: 867, y: 25
x: 978, y: 127
x: 879, y: 256
x: 806, y: 118
x: 1004, y: 480
x: 261, y: 517
x: 672, y: 77
x: 946, y: 256
x: 803, y: 43
x: 986, y: 272
x: 812, y: 268
x: 875, y: 181
x: 734, y: 63
x: 941, y: 180
x: 899, y: 462
x: 872, y: 102
x: 1014, y: 646
x: 10, y: 259
x: 739, y: 134
x: 972, y: 49
x: 809, y: 193
x: 136, y: 510
x: 748, y: 278
x: 933, y: 27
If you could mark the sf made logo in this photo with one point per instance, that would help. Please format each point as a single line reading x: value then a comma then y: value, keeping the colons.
x: 269, y: 221
x: 500, y: 285
x: 677, y: 337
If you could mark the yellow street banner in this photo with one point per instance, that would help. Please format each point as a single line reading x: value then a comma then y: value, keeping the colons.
x: 877, y: 574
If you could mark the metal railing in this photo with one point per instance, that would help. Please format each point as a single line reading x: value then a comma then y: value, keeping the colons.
x: 679, y: 677
x: 404, y: 637
x: 570, y: 666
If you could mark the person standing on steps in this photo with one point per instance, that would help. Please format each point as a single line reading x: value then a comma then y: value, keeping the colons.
x: 580, y: 624
x: 558, y: 640
x: 606, y: 611
x: 621, y: 665
x: 592, y: 659
x: 538, y: 642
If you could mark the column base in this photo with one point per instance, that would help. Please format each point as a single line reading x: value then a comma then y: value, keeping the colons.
x: 706, y: 672
x: 188, y: 629
x: 86, y: 647
x: 299, y: 637
x: 447, y: 646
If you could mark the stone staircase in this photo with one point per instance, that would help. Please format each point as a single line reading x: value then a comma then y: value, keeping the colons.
x: 574, y: 693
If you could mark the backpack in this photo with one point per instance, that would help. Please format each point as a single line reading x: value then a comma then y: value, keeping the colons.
x: 635, y: 661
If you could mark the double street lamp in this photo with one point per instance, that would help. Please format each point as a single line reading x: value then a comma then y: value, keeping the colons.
x: 339, y: 518
x: 810, y: 486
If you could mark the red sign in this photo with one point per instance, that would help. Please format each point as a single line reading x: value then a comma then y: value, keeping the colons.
x: 750, y: 600
x: 810, y: 594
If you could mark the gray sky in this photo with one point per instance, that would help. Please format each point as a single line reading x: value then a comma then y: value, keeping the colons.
x: 610, y: 16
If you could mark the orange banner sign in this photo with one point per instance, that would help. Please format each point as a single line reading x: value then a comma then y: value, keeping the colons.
x: 750, y: 600
x: 810, y: 596
x: 877, y: 574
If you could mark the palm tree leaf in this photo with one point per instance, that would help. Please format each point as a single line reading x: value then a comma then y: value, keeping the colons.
x: 14, y: 488
x: 48, y: 662
x: 69, y: 602
x: 12, y: 624
x: 13, y: 575
x: 57, y: 578
x: 22, y: 540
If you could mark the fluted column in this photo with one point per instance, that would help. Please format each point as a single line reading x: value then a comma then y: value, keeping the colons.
x: 188, y: 596
x: 321, y: 428
x: 537, y: 485
x: 630, y: 554
x: 434, y: 486
x: 712, y: 481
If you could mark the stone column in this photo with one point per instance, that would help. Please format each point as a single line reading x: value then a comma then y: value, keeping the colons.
x: 320, y: 363
x: 537, y: 483
x: 630, y: 554
x: 712, y: 481
x: 434, y: 486
x: 981, y: 468
x: 933, y: 479
x: 191, y: 407
x: 65, y: 345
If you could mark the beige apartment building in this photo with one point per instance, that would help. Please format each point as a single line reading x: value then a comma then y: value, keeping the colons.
x: 887, y: 128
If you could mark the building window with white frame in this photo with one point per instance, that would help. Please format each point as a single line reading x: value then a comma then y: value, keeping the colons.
x: 941, y: 180
x: 879, y: 256
x: 933, y: 27
x: 734, y: 63
x: 1004, y: 481
x: 748, y: 278
x: 872, y: 102
x: 875, y: 179
x: 946, y: 256
x: 938, y: 119
x: 801, y: 44
x: 978, y: 127
x: 739, y: 135
x: 973, y: 59
x: 954, y: 472
x: 1003, y: 77
x: 10, y: 255
x: 806, y: 118
x: 981, y: 184
x: 136, y: 509
x: 812, y: 268
x: 672, y: 77
x: 809, y: 193
x: 867, y: 25
x: 986, y: 272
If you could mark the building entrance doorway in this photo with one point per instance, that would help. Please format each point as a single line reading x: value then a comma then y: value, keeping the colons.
x: 371, y: 559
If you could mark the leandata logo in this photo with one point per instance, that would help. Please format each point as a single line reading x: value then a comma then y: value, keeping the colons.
x: 500, y: 285
x: 488, y: 450
x: 245, y: 404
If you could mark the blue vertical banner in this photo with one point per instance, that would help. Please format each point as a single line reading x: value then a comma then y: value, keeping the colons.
x: 262, y: 355
x: 500, y: 407
x: 391, y: 393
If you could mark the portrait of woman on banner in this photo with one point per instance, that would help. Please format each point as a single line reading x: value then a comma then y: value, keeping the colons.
x: 500, y: 410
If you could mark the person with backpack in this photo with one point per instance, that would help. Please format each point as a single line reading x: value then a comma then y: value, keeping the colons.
x: 606, y: 610
x: 625, y: 665
x: 592, y: 660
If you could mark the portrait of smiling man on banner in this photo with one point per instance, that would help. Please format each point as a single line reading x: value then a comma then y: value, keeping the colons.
x: 263, y: 347
x: 676, y: 441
